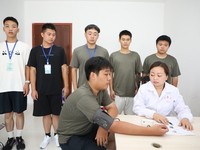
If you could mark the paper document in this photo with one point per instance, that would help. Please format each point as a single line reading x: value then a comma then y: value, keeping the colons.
x: 174, y: 129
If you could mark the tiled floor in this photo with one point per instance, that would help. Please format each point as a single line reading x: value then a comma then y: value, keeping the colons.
x: 33, y: 132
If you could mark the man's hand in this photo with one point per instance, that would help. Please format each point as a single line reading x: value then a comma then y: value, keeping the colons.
x: 26, y: 89
x: 186, y: 124
x: 66, y: 92
x: 112, y: 95
x: 158, y: 129
x: 101, y: 137
x: 34, y: 95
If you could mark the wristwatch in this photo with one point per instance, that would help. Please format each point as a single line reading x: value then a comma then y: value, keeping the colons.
x: 27, y: 81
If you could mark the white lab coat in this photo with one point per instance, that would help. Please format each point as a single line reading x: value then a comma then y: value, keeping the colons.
x: 147, y: 102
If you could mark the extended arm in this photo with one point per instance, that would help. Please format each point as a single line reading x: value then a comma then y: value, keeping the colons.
x: 131, y: 129
x: 108, y: 123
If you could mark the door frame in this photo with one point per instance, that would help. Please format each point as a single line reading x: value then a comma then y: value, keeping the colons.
x: 68, y: 53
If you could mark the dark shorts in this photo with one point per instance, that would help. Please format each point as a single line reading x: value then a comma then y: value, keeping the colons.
x: 12, y: 102
x: 47, y: 104
x: 85, y: 142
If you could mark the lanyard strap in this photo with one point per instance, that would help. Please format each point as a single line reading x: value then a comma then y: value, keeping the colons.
x: 10, y: 53
x: 91, y: 55
x: 47, y: 56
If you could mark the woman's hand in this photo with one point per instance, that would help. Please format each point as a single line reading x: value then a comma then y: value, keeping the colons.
x: 185, y: 123
x: 160, y: 118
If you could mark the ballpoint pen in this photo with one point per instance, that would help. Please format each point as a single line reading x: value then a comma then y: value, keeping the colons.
x: 170, y: 123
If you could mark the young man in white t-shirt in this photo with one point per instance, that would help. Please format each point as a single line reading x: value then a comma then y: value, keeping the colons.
x: 14, y: 85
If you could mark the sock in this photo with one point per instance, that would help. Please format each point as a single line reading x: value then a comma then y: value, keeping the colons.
x: 55, y: 134
x: 19, y: 133
x: 48, y: 134
x: 10, y: 134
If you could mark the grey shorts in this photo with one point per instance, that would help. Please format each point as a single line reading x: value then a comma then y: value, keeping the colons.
x: 125, y: 105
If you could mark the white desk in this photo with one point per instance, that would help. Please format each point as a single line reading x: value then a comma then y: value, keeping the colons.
x: 167, y: 142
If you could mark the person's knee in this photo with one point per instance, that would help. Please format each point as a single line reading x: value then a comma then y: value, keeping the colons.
x: 55, y: 116
x: 8, y: 116
x: 19, y: 115
x: 47, y: 117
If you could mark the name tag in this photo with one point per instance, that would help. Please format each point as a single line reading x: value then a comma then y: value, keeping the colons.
x: 10, y: 66
x: 47, y: 69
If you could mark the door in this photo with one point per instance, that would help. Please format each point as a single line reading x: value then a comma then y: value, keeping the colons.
x: 63, y: 39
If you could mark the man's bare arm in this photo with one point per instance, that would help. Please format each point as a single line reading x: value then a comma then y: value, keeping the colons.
x: 74, y: 78
x: 132, y: 129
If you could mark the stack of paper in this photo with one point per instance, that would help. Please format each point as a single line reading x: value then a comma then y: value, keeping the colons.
x: 174, y: 129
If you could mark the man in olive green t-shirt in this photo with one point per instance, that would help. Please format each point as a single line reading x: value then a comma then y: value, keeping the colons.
x: 126, y: 66
x: 84, y: 125
x: 84, y: 52
x: 163, y: 43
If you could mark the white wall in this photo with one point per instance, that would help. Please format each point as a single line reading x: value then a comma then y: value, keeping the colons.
x: 13, y: 8
x: 182, y: 23
x: 146, y: 19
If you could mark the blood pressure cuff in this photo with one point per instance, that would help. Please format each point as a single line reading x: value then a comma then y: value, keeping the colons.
x: 103, y: 119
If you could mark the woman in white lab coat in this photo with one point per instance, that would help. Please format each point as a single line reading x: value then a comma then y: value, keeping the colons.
x: 157, y: 99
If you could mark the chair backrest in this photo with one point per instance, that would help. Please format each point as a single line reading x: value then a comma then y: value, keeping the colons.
x: 142, y: 80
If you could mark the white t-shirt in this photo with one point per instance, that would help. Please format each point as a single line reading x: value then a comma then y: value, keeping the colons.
x: 12, y: 71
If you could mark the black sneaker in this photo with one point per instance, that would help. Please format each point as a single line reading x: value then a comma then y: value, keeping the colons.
x: 20, y: 144
x: 9, y: 144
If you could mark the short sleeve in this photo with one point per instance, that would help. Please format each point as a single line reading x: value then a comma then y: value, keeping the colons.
x: 88, y: 106
x: 32, y: 58
x: 74, y: 61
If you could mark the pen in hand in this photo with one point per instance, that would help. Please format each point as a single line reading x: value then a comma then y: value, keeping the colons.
x: 170, y: 123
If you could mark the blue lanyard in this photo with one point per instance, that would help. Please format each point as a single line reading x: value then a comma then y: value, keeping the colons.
x: 10, y: 53
x: 91, y: 55
x: 47, y: 56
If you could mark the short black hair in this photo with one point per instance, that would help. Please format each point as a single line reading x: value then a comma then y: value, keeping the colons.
x: 48, y: 26
x: 12, y: 19
x: 164, y: 38
x: 92, y: 26
x: 125, y: 32
x: 160, y: 64
x: 96, y: 64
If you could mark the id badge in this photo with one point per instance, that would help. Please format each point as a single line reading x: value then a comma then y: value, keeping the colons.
x: 10, y: 66
x: 47, y: 69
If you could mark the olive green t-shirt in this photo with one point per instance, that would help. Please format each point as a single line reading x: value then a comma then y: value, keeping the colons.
x: 78, y: 110
x: 80, y: 56
x: 125, y: 67
x: 169, y: 60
